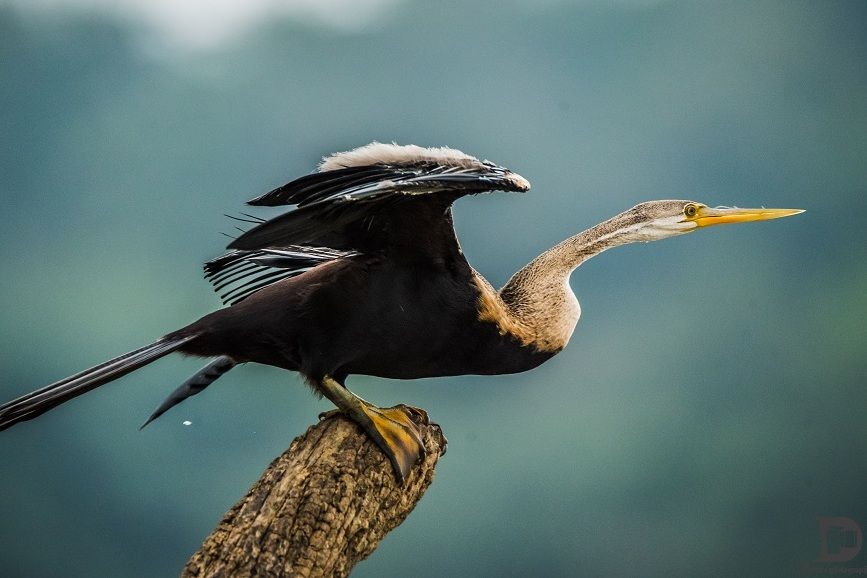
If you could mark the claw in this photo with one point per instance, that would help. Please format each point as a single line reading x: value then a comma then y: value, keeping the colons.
x: 396, y: 431
x: 417, y: 414
x: 330, y: 413
x: 442, y: 435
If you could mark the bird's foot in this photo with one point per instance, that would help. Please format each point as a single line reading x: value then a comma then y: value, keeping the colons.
x: 396, y: 430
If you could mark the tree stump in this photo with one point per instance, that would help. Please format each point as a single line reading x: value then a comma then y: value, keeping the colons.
x: 318, y: 509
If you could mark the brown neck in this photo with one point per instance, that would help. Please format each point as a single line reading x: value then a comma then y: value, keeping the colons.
x: 539, y: 295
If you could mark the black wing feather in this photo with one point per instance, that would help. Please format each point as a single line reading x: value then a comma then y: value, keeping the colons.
x: 332, y: 205
x: 239, y: 274
x: 403, y: 208
x: 319, y: 185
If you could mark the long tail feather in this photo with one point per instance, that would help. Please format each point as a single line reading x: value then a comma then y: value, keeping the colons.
x: 195, y: 384
x: 43, y: 399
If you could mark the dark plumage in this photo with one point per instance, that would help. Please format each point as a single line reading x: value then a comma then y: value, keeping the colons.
x: 366, y: 276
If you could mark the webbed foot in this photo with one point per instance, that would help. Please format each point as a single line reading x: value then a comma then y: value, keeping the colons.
x: 396, y: 430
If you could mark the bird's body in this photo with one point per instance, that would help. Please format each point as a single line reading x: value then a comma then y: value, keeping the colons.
x: 366, y: 276
x: 369, y: 315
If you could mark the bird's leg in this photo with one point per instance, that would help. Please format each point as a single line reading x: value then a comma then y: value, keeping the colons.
x: 394, y: 429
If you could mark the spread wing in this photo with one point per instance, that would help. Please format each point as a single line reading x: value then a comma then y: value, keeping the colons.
x: 380, y: 197
x: 238, y: 274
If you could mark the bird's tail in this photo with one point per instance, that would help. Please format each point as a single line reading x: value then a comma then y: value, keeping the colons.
x: 39, y: 401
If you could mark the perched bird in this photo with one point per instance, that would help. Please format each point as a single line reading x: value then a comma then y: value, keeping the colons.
x: 366, y: 276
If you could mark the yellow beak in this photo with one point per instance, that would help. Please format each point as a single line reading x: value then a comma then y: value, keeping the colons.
x: 706, y: 216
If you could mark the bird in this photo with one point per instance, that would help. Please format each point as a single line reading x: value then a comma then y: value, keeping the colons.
x: 365, y: 276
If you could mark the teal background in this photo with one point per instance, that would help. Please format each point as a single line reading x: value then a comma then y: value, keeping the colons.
x: 710, y: 405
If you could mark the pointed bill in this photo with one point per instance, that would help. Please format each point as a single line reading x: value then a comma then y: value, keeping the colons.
x: 707, y: 216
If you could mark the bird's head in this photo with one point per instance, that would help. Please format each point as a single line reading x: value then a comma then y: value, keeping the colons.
x: 655, y: 220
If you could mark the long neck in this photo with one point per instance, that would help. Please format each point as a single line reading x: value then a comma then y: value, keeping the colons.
x: 539, y: 294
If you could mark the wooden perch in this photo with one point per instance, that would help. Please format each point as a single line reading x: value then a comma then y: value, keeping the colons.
x: 319, y: 508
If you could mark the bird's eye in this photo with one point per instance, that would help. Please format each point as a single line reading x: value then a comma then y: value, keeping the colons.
x: 690, y: 210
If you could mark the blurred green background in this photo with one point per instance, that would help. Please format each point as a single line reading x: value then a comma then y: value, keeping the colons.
x: 711, y: 403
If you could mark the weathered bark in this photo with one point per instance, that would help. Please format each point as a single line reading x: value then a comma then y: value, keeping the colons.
x: 319, y: 508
